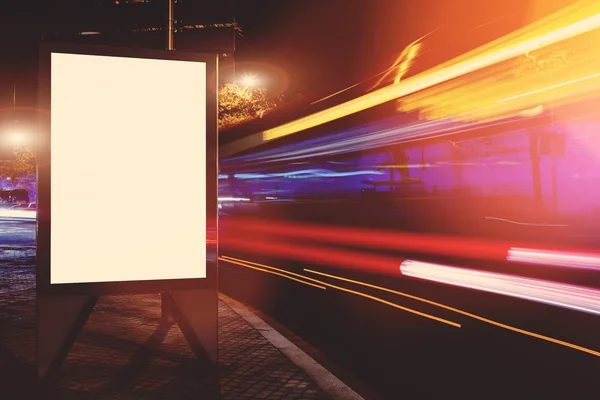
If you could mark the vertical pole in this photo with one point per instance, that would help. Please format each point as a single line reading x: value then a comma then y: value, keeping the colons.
x: 166, y: 308
x: 170, y: 26
x: 554, y: 188
x: 534, y: 144
x: 233, y: 52
x: 166, y: 312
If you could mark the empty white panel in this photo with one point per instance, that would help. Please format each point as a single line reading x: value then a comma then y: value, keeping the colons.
x: 128, y: 169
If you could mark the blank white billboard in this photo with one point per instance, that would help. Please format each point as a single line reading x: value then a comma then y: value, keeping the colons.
x: 128, y: 169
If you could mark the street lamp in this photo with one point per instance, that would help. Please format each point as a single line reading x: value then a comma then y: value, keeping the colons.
x: 16, y: 135
x: 17, y: 138
x: 249, y: 80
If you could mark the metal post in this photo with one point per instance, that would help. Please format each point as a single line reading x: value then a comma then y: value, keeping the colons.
x: 233, y: 52
x: 170, y: 26
x: 166, y: 308
x: 166, y: 312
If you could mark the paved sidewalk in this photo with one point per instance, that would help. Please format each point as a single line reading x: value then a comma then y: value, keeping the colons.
x: 124, y: 352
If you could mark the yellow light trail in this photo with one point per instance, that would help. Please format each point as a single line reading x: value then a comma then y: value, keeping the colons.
x: 558, y: 85
x: 456, y: 310
x: 227, y: 258
x: 272, y: 272
x: 576, y: 20
x: 403, y: 62
x: 380, y: 300
x: 412, y: 50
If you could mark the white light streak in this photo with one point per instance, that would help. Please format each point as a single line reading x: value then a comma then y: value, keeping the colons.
x: 588, y: 261
x: 552, y: 293
x: 16, y: 213
x: 233, y: 199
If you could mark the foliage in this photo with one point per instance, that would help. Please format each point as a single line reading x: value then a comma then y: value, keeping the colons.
x: 23, y: 164
x: 238, y: 104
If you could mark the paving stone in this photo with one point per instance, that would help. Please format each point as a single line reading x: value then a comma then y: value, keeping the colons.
x: 115, y: 357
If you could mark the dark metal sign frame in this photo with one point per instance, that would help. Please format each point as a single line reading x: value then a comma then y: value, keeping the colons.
x: 44, y: 175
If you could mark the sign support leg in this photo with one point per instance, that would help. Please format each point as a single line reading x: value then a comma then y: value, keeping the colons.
x: 60, y: 318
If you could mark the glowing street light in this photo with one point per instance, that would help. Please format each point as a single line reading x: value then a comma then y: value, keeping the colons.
x: 249, y: 80
x: 17, y: 136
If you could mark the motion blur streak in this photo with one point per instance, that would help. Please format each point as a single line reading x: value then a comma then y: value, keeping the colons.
x: 553, y: 293
x: 233, y: 199
x: 227, y: 258
x: 402, y: 63
x: 271, y: 272
x: 378, y: 264
x: 525, y: 223
x: 309, y: 173
x: 588, y: 261
x: 356, y: 139
x: 382, y: 239
x: 24, y: 214
x: 524, y: 83
x: 489, y: 321
x: 389, y: 303
x: 575, y: 20
x: 585, y: 78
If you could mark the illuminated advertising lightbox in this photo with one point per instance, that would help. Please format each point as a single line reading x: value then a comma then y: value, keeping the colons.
x: 125, y: 166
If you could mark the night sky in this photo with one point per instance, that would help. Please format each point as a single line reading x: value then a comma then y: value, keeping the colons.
x: 328, y: 45
x: 314, y: 47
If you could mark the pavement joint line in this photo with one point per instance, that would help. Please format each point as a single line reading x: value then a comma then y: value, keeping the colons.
x: 328, y: 382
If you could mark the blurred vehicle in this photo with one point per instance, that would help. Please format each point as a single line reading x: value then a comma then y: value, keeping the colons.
x: 517, y: 161
x: 19, y: 196
x: 14, y: 196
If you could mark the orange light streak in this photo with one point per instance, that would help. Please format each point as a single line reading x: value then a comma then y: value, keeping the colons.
x: 227, y: 258
x: 576, y: 20
x: 380, y: 300
x: 456, y: 310
x: 272, y: 272
x: 585, y: 78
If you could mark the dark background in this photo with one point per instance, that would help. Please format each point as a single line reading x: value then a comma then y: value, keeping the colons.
x: 307, y: 47
x: 321, y: 46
